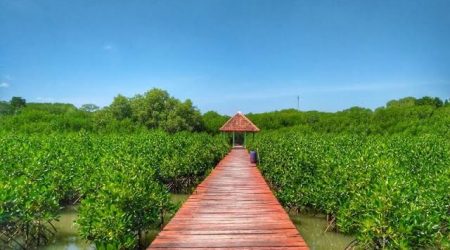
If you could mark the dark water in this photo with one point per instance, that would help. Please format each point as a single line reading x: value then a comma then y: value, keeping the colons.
x: 310, y: 227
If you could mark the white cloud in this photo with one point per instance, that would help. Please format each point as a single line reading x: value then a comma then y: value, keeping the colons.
x: 4, y: 85
x: 108, y: 47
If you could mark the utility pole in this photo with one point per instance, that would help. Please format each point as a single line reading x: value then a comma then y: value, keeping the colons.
x: 298, y: 103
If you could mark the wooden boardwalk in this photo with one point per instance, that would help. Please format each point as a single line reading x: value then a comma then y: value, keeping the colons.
x: 233, y: 208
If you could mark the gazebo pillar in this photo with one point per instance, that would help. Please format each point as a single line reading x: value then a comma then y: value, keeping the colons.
x: 245, y: 139
x: 233, y: 139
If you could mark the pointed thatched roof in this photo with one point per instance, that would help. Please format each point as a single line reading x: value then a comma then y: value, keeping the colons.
x: 239, y: 123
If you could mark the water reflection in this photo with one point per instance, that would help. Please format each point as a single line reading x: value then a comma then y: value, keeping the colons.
x: 67, y: 230
x: 311, y: 227
x: 67, y: 233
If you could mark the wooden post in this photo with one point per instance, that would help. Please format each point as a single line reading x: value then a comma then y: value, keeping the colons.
x: 233, y: 139
x: 245, y: 139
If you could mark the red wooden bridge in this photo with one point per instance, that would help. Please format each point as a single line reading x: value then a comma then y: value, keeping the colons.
x: 233, y: 208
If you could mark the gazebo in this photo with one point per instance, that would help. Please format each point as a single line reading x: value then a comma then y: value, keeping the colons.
x: 239, y: 125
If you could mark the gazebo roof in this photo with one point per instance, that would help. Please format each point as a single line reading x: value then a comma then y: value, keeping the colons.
x: 239, y: 123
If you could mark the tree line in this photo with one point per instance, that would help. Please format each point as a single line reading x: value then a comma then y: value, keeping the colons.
x: 407, y: 115
x: 157, y: 109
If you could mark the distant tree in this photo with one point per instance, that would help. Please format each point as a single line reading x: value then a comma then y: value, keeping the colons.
x: 53, y: 108
x: 426, y: 100
x: 17, y: 102
x: 156, y: 109
x: 46, y: 118
x: 5, y: 108
x: 89, y: 107
x: 191, y: 115
x: 121, y: 108
x: 183, y: 116
x: 212, y: 121
x: 404, y: 102
x: 151, y: 108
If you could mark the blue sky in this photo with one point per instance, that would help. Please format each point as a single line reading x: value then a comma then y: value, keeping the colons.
x: 252, y: 56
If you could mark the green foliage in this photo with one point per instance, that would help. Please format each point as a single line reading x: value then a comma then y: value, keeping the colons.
x: 411, y: 101
x: 122, y: 181
x: 5, y: 108
x: 17, y: 102
x: 391, y: 191
x: 47, y: 118
x: 409, y: 116
x: 436, y: 102
x: 365, y: 169
x: 403, y: 102
x: 212, y: 121
x: 156, y: 109
x: 52, y: 108
x: 120, y: 108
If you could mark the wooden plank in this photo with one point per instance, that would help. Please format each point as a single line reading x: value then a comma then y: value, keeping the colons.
x: 233, y: 208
